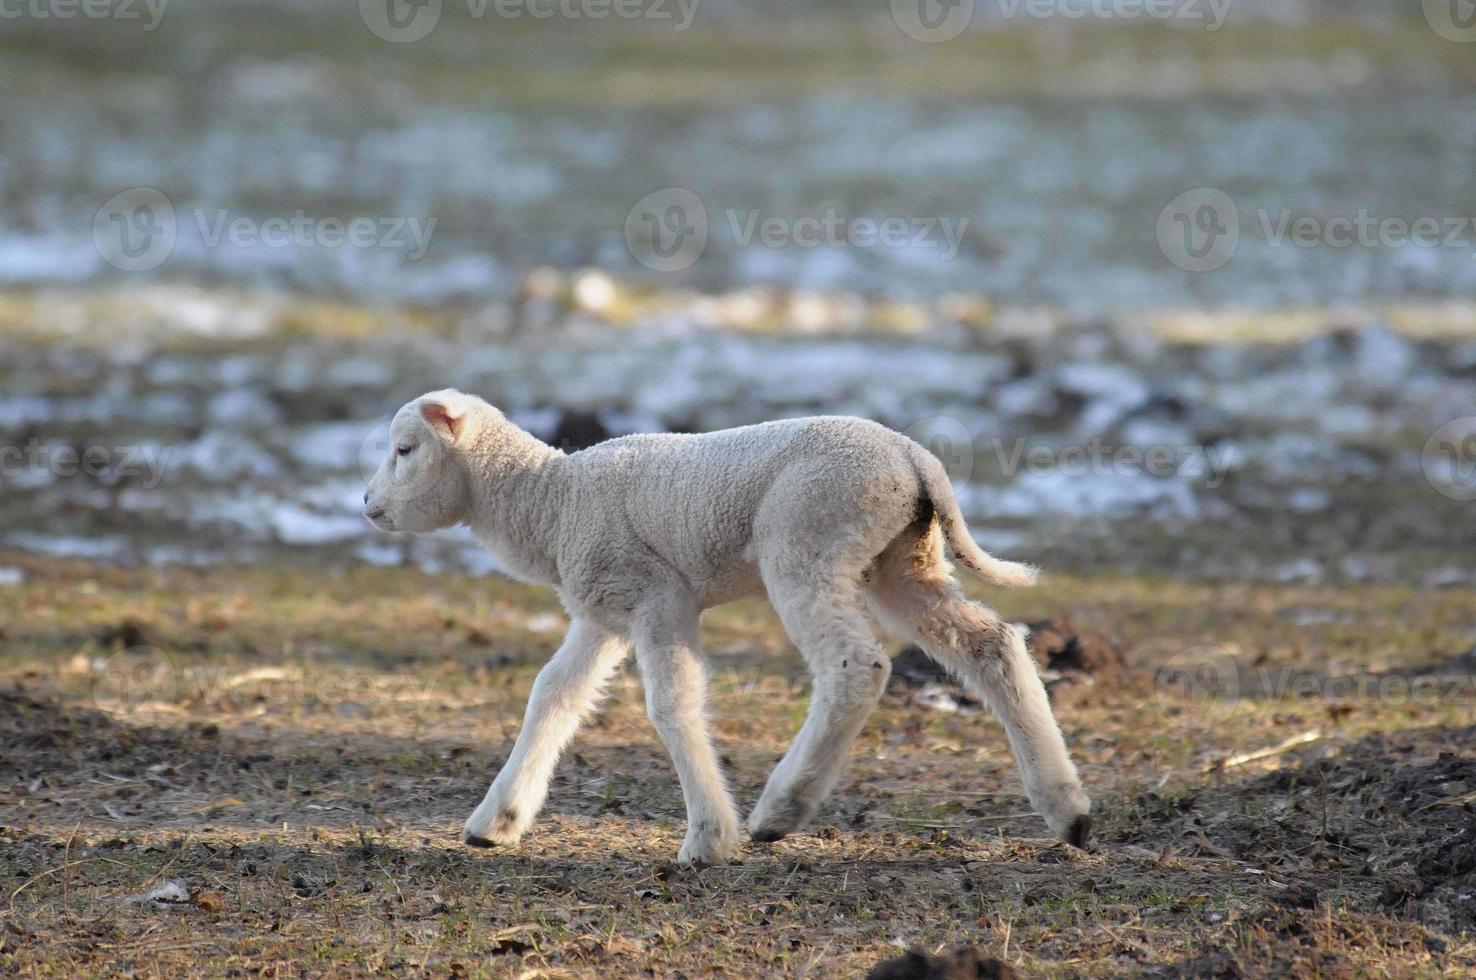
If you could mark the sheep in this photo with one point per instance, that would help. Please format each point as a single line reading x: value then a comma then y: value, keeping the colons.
x: 840, y: 521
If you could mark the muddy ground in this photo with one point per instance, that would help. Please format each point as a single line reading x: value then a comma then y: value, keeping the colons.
x: 1284, y: 781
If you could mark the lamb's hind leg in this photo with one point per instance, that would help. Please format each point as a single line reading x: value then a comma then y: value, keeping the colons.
x: 850, y: 670
x: 913, y: 594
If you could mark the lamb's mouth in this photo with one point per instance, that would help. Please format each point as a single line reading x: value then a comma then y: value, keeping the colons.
x: 377, y: 518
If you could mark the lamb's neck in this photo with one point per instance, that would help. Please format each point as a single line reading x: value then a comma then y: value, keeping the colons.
x: 518, y: 493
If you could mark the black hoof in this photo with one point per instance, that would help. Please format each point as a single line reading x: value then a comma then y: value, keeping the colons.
x: 474, y: 841
x: 1079, y: 831
x: 767, y: 836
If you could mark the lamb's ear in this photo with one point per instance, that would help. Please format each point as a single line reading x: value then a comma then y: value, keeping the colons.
x: 447, y: 417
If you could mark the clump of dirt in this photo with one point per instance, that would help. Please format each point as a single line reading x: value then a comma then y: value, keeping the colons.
x: 1292, y: 934
x: 1435, y: 879
x: 1286, y: 942
x: 920, y: 680
x: 1299, y: 895
x: 912, y: 668
x: 1068, y: 658
x: 969, y: 963
x: 43, y: 736
x: 1072, y: 659
x: 1460, y: 665
x: 127, y: 634
x: 1393, y: 816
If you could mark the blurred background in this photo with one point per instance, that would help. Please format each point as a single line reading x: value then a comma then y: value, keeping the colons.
x: 1172, y: 286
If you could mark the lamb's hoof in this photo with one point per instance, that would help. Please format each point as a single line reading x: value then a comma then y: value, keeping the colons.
x: 1079, y: 832
x: 768, y: 823
x: 709, y: 846
x: 492, y: 826
x: 767, y: 835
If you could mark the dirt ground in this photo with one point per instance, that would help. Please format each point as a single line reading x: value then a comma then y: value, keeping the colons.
x: 1284, y: 781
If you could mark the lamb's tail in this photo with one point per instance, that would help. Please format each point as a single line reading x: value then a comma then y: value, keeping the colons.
x: 945, y: 506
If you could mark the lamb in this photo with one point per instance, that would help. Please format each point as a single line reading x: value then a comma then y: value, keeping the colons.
x: 840, y: 521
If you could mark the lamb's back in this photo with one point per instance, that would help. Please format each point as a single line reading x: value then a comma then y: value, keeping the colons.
x: 691, y: 499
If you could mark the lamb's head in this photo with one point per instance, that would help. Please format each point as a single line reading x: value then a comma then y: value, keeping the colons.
x: 425, y: 481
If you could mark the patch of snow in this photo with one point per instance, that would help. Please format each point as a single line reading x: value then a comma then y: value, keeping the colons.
x: 222, y: 457
x: 1299, y: 570
x: 19, y: 411
x: 1448, y: 577
x: 1052, y: 492
x: 1091, y: 379
x: 68, y: 546
x: 242, y: 408
x: 380, y: 553
x: 295, y: 524
x: 330, y: 445
x: 1308, y: 499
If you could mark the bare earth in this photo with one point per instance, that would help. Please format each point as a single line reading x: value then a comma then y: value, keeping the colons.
x: 298, y: 749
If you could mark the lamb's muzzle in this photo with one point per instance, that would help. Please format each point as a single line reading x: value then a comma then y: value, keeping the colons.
x: 840, y: 521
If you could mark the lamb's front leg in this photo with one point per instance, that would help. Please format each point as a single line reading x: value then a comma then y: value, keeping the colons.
x: 668, y: 650
x: 568, y: 686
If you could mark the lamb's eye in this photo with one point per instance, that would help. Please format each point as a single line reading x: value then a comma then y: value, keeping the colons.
x: 403, y: 449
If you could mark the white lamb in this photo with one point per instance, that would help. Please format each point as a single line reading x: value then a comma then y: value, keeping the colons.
x: 831, y: 517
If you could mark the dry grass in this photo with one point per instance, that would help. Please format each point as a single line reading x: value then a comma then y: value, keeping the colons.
x: 299, y: 748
